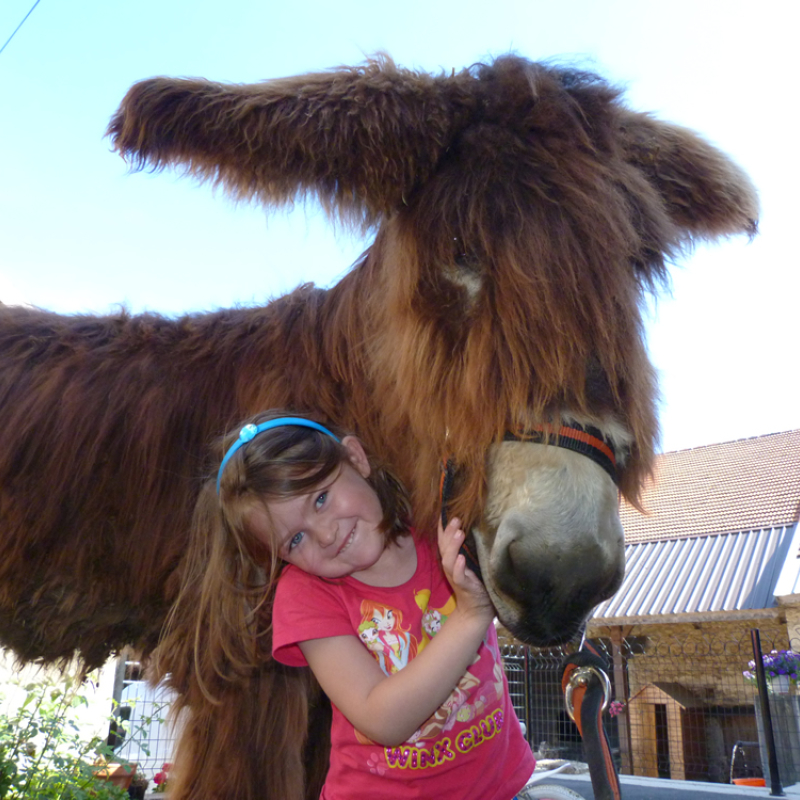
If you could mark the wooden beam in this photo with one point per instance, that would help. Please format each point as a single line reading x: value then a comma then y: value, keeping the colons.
x: 621, y: 692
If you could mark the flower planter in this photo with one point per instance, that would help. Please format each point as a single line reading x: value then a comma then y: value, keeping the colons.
x: 119, y: 774
x: 785, y: 712
x: 779, y: 684
x: 137, y: 789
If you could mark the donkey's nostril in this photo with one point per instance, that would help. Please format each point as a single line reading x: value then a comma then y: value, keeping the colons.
x: 549, y: 578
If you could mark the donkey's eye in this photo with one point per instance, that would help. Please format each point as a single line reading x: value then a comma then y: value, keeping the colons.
x: 460, y: 256
x: 466, y: 261
x: 464, y: 270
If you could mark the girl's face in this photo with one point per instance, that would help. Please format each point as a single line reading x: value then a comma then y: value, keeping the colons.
x: 331, y: 531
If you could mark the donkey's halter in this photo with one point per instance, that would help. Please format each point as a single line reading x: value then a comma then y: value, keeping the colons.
x: 586, y: 440
x: 582, y: 439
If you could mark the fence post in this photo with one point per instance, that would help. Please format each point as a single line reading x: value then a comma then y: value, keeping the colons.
x: 528, y: 696
x: 761, y: 681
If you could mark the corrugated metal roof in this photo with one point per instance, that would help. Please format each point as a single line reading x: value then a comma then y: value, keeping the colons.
x: 744, y: 485
x: 725, y: 572
x: 789, y: 579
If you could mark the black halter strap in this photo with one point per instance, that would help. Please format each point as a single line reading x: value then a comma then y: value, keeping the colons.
x: 586, y: 440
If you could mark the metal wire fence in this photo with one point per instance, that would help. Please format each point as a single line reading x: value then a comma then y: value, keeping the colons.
x: 147, y: 737
x: 682, y: 709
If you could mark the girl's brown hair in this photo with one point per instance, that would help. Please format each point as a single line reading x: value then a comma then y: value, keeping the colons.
x: 228, y: 575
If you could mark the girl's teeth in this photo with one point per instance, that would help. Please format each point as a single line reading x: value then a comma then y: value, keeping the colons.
x: 348, y: 542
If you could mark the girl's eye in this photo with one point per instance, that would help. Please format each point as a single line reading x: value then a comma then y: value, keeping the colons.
x: 295, y: 540
x: 320, y: 501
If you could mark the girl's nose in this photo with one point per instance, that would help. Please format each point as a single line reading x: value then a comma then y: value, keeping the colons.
x: 326, y: 535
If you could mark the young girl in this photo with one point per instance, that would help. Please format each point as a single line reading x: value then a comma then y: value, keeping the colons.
x: 401, y: 642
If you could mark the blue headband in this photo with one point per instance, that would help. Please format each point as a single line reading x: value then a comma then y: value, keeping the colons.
x: 248, y: 432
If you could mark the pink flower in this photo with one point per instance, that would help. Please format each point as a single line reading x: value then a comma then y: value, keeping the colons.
x: 616, y: 708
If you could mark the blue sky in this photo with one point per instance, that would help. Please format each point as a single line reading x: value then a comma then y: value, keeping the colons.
x: 79, y: 233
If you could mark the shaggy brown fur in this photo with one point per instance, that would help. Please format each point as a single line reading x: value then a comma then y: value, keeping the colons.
x: 532, y: 184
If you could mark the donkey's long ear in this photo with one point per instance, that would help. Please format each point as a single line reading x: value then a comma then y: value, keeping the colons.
x: 358, y: 138
x: 705, y: 193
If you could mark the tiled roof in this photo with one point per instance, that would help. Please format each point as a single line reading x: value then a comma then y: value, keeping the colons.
x: 745, y: 485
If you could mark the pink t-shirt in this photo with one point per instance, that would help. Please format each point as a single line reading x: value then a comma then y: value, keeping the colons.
x: 472, y: 747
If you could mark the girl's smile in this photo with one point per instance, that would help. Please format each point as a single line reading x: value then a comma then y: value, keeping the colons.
x: 347, y: 542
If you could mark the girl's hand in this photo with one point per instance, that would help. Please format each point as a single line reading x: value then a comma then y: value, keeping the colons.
x: 471, y: 596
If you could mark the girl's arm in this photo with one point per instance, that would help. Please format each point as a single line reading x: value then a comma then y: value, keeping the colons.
x: 389, y: 709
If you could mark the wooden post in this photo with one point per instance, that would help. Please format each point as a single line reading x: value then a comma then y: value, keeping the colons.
x: 643, y: 720
x: 621, y: 692
x: 675, y: 742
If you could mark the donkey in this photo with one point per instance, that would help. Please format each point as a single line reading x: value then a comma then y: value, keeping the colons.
x: 521, y: 214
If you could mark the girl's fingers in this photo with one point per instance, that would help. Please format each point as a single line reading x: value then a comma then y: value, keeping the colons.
x: 452, y: 526
x: 454, y: 563
x: 450, y: 538
x: 459, y: 567
x: 450, y: 558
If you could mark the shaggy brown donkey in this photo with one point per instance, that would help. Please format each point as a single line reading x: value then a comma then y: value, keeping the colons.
x: 521, y: 212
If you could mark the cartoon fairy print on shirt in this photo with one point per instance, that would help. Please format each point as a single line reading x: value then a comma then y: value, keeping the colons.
x: 391, y: 643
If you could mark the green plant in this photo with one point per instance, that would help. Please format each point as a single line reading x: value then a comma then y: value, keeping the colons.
x: 44, y: 755
x: 138, y: 786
